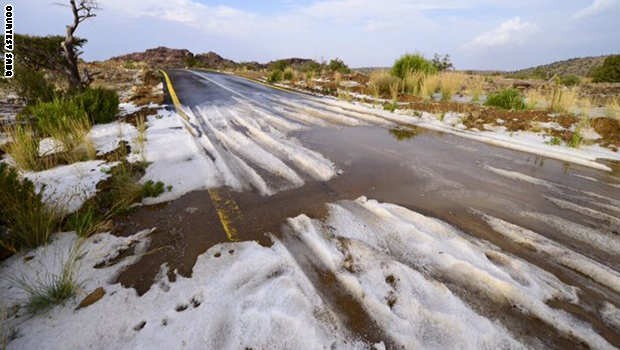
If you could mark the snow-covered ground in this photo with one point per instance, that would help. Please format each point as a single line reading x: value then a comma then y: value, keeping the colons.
x: 400, y: 266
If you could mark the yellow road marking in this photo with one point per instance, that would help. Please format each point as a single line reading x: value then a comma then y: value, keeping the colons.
x: 225, y: 206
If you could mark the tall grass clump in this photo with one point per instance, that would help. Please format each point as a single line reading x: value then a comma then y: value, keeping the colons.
x: 101, y: 105
x: 506, y: 99
x: 430, y: 85
x: 563, y: 99
x: 412, y: 63
x: 288, y: 74
x: 28, y: 220
x: 54, y: 288
x: 23, y: 147
x: 412, y: 83
x: 66, y: 122
x: 475, y: 87
x: 381, y: 83
x: 535, y: 98
x: 450, y: 83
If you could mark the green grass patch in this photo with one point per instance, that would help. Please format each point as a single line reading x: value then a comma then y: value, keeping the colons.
x: 507, y: 99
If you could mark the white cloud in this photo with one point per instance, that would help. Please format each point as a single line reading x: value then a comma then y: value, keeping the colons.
x: 597, y: 7
x: 510, y: 32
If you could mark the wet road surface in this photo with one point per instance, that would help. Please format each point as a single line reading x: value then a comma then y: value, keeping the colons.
x: 494, y: 196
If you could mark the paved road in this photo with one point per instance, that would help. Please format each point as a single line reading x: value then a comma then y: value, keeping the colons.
x: 543, y: 234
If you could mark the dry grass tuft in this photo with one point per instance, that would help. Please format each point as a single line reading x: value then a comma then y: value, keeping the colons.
x: 475, y: 87
x: 430, y: 85
x: 612, y: 110
x: 24, y: 147
x: 450, y: 83
x: 536, y: 98
x: 381, y: 83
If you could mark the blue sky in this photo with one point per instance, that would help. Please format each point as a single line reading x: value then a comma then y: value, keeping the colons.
x: 478, y: 34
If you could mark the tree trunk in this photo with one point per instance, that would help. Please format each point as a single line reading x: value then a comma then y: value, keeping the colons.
x: 73, y: 72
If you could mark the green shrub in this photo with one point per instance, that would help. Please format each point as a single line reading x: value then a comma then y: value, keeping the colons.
x: 390, y: 106
x: 152, y: 189
x: 576, y: 139
x: 338, y: 65
x: 32, y: 86
x: 570, y: 80
x: 101, y: 105
x: 278, y: 65
x: 275, y: 76
x: 555, y: 141
x: 412, y: 63
x: 609, y: 71
x: 28, y: 220
x: 55, y: 117
x: 506, y: 99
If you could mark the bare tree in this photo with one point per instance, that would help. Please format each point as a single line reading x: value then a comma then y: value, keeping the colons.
x: 83, y: 10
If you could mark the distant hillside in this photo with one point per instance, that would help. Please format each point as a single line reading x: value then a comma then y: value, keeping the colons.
x: 164, y: 57
x: 577, y: 66
x: 158, y: 57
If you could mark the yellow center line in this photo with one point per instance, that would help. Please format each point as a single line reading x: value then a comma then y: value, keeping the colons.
x: 225, y: 206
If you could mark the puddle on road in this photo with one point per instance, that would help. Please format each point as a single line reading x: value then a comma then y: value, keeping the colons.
x: 435, y: 174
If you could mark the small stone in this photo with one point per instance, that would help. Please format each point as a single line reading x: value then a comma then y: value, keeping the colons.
x: 91, y: 298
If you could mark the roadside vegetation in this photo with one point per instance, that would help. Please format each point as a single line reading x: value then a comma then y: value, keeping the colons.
x: 516, y: 101
x: 61, y: 107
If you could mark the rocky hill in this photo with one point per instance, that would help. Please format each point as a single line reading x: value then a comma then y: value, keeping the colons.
x: 213, y: 60
x: 158, y: 57
x: 578, y: 66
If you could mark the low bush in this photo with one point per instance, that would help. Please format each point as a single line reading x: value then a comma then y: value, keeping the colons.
x: 391, y: 107
x: 152, y: 189
x: 275, y: 76
x: 338, y: 65
x: 609, y: 71
x: 412, y: 63
x: 570, y: 80
x: 506, y: 99
x: 28, y: 220
x: 32, y: 86
x: 101, y: 105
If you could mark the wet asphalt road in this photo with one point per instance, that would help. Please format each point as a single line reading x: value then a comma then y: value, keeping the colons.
x: 436, y: 174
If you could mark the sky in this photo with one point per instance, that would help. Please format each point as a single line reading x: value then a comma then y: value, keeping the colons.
x: 477, y: 34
